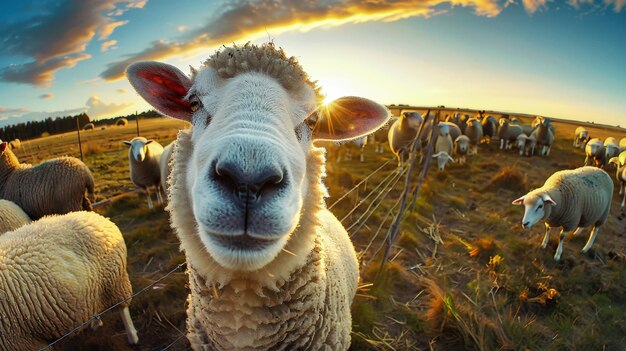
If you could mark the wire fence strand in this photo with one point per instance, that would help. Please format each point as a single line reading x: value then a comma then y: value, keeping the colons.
x: 82, y: 325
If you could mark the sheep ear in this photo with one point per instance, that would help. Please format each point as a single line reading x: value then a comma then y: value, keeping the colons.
x: 162, y: 86
x: 3, y: 146
x: 348, y: 118
x: 548, y: 200
x: 127, y: 143
x: 519, y: 201
x: 149, y: 141
x: 450, y: 157
x: 614, y: 160
x: 437, y: 154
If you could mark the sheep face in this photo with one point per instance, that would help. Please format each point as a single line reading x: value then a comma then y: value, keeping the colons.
x: 250, y: 140
x: 137, y: 148
x: 442, y: 159
x: 536, y: 207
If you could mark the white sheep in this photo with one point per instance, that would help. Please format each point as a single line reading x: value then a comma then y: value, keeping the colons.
x: 521, y: 141
x: 144, y: 156
x: 55, y: 186
x: 11, y: 216
x: 544, y: 134
x: 569, y: 199
x: 611, y: 148
x: 444, y: 147
x: 58, y: 272
x: 620, y: 175
x: 622, y: 145
x: 164, y: 165
x: 581, y: 136
x: 508, y: 133
x: 594, y: 152
x: 453, y: 129
x: 461, y: 148
x: 402, y: 133
x: 269, y: 266
x: 474, y: 131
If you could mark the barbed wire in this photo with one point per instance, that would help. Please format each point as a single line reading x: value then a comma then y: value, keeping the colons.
x: 82, y: 325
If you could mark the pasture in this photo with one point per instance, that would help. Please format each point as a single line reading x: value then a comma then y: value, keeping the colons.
x: 463, y: 274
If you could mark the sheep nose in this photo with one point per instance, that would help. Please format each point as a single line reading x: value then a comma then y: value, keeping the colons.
x: 525, y: 225
x: 248, y: 187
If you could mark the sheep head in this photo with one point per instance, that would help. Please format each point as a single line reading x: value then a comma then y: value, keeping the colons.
x: 138, y: 148
x: 536, y: 207
x: 250, y: 137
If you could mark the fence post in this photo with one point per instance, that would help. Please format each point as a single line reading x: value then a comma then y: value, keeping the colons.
x: 137, y: 122
x: 80, y: 147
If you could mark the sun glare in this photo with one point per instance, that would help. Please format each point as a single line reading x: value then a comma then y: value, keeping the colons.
x: 333, y: 88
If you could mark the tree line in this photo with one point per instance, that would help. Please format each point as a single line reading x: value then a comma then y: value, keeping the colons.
x: 58, y: 125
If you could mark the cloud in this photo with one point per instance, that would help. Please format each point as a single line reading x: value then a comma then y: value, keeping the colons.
x: 532, y: 6
x: 56, y: 37
x: 182, y: 28
x: 107, y: 29
x: 39, y: 73
x: 136, y: 4
x: 46, y: 96
x: 8, y: 112
x: 245, y: 20
x: 122, y: 91
x: 96, y: 108
x: 104, y: 47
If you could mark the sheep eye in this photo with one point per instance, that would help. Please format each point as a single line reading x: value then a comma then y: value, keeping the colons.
x: 194, y: 103
x: 540, y: 206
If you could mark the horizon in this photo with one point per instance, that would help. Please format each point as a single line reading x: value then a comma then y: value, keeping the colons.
x: 557, y: 59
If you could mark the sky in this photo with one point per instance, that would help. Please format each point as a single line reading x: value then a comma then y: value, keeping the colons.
x: 564, y: 59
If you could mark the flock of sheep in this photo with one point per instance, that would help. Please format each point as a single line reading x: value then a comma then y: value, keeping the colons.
x: 269, y: 266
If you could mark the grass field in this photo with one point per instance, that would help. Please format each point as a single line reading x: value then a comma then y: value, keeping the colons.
x: 462, y: 274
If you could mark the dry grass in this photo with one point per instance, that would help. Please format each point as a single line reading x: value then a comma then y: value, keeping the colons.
x: 463, y: 274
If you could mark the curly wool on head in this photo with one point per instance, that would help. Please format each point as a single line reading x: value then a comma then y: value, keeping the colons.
x: 231, y: 61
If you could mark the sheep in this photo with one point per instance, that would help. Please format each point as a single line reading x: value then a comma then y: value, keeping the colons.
x: 285, y: 256
x: 89, y: 126
x: 11, y: 216
x: 474, y: 131
x: 460, y: 121
x: 620, y: 175
x: 622, y: 145
x: 144, y: 156
x: 544, y: 133
x: 530, y: 145
x: 453, y: 129
x: 74, y: 268
x: 580, y: 136
x: 490, y: 126
x: 443, y: 147
x: 15, y: 144
x: 507, y: 133
x: 55, y: 186
x: 569, y: 199
x: 594, y: 151
x: 121, y: 122
x: 402, y: 133
x: 461, y: 147
x: 164, y: 165
x: 521, y: 141
x: 611, y: 148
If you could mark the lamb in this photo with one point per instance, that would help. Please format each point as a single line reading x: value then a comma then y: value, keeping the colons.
x: 490, y: 126
x: 611, y: 148
x: 269, y: 266
x: 569, y: 199
x: 581, y: 135
x: 620, y: 175
x: 164, y: 165
x: 474, y: 131
x: 443, y: 147
x: 55, y: 186
x: 461, y: 147
x: 144, y: 156
x: 508, y: 133
x: 594, y: 151
x: 521, y: 141
x: 402, y: 133
x: 73, y: 268
x: 11, y: 216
